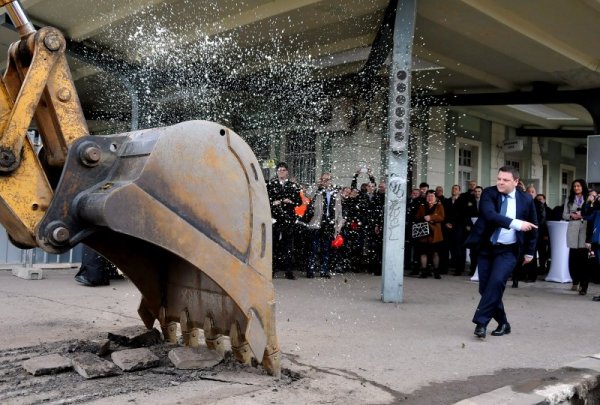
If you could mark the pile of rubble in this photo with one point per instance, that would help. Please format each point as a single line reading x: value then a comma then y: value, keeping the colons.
x: 128, y: 351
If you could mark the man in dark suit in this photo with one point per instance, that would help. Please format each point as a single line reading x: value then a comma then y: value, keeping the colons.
x: 506, y: 230
x: 473, y: 212
x: 284, y: 196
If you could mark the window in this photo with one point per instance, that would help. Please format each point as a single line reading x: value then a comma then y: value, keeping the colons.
x: 463, y: 179
x: 514, y: 163
x: 566, y: 178
x: 301, y: 156
x: 464, y: 157
x: 564, y: 185
x: 467, y: 164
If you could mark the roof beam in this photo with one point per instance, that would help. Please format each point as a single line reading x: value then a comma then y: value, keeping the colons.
x: 581, y: 97
x: 457, y: 66
x: 90, y: 27
x: 554, y: 133
x: 258, y: 13
x: 494, y: 10
x: 341, y: 45
x: 270, y: 11
x: 587, y: 98
x: 315, y: 52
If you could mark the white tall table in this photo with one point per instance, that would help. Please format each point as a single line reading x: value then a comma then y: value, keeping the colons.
x: 559, y: 269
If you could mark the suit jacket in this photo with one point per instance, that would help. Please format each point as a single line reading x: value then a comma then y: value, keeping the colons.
x: 317, y: 217
x: 284, y: 213
x: 576, y: 230
x: 490, y: 219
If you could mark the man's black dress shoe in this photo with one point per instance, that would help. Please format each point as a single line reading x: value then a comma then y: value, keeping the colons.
x: 310, y: 275
x: 82, y: 279
x: 596, y: 298
x: 503, y: 329
x: 290, y: 276
x: 480, y: 331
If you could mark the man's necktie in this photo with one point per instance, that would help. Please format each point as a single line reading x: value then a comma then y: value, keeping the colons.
x: 503, y: 209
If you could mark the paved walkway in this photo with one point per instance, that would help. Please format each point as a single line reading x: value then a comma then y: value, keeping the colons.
x: 342, y: 339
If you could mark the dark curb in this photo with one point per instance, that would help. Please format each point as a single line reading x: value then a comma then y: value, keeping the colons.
x: 579, y: 381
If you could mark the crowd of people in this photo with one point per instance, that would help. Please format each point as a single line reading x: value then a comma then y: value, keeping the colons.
x: 306, y: 226
x: 337, y: 229
x: 450, y: 219
x: 329, y: 230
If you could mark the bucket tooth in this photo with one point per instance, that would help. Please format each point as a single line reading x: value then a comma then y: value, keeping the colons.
x: 272, y: 362
x: 239, y: 345
x: 214, y: 340
x: 169, y: 329
x: 170, y: 332
x: 194, y: 337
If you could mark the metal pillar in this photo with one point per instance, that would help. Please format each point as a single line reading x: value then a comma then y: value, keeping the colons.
x: 399, y: 130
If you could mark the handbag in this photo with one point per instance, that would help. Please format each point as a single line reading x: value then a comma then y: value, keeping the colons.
x: 338, y: 242
x: 420, y: 230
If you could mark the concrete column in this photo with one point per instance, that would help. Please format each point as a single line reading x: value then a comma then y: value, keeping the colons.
x: 399, y: 130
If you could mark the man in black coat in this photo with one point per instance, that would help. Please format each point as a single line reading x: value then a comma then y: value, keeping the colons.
x: 543, y: 243
x: 284, y: 196
x: 505, y: 232
x: 372, y: 210
x: 455, y: 228
x: 462, y: 224
x: 410, y: 257
x: 472, y: 213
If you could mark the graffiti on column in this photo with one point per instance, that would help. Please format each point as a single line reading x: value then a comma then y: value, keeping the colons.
x: 397, y: 188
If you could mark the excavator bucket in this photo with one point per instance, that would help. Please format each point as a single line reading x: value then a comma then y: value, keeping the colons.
x: 183, y: 211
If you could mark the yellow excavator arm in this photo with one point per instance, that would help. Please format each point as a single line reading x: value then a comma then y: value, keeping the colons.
x: 183, y: 211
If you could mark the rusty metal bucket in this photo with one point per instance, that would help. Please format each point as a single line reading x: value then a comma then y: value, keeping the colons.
x: 183, y: 211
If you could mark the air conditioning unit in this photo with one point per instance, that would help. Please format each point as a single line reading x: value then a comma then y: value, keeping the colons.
x: 593, y: 159
x: 512, y: 145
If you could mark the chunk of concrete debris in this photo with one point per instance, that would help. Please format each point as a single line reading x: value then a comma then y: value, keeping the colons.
x: 28, y: 273
x: 50, y: 364
x: 136, y: 336
x: 101, y: 347
x: 191, y: 358
x: 89, y: 365
x: 134, y: 359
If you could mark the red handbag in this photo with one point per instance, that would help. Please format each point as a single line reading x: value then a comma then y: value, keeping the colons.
x: 338, y: 242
